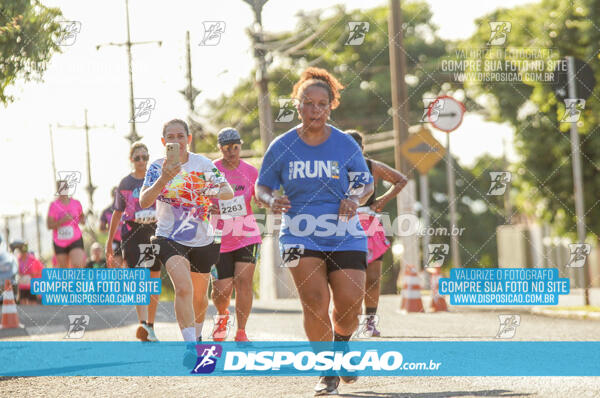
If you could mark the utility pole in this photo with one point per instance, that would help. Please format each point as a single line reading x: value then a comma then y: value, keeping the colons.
x: 55, y: 176
x: 452, y: 204
x: 407, y: 197
x: 7, y: 219
x: 133, y: 136
x: 578, y: 180
x: 274, y: 279
x: 90, y: 188
x: 7, y: 230
x: 22, y: 217
x: 264, y: 103
x: 190, y: 92
x: 38, y: 232
x: 507, y: 202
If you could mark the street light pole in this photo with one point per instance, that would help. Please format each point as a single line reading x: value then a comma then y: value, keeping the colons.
x: 133, y: 136
x: 452, y: 204
x: 577, y: 178
x: 90, y: 188
x: 52, y: 153
x: 190, y: 93
x: 406, y: 199
x: 264, y: 102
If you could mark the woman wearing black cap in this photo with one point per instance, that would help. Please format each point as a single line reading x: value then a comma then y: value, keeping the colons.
x: 240, y: 240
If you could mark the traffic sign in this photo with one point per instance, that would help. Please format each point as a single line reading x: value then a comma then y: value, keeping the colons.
x: 584, y: 80
x: 422, y: 150
x: 446, y: 113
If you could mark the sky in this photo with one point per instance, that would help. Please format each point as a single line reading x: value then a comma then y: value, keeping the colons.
x: 83, y: 77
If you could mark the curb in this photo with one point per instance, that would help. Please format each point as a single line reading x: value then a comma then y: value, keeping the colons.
x: 586, y: 315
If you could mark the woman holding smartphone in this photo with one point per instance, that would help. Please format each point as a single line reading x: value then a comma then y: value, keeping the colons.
x: 182, y: 186
x: 64, y: 217
x: 136, y: 227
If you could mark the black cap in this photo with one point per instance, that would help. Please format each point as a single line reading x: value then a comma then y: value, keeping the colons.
x: 229, y: 135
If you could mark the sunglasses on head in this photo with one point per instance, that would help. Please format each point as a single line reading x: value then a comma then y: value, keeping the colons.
x: 141, y: 157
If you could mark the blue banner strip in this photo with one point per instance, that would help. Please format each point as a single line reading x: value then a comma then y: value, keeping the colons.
x: 299, y: 358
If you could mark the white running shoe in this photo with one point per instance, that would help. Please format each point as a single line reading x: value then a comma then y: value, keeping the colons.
x: 145, y: 333
x: 151, y: 334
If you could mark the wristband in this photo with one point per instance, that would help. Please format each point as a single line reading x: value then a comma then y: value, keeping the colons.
x: 354, y: 199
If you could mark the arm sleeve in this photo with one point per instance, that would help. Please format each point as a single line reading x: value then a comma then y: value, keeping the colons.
x: 152, y: 174
x: 219, y: 177
x: 270, y: 171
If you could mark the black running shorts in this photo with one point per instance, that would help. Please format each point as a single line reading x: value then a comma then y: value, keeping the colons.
x: 201, y: 258
x: 339, y: 260
x: 65, y: 250
x: 136, y: 248
x: 226, y: 266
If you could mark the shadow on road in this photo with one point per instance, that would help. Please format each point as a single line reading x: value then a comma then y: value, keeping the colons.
x: 63, y: 369
x: 41, y: 320
x: 441, y: 394
x: 434, y: 337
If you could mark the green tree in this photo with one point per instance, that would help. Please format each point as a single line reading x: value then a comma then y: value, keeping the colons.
x: 27, y: 33
x: 544, y: 176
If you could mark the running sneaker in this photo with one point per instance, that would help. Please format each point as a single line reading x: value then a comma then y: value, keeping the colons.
x: 220, y: 332
x: 371, y: 329
x: 142, y: 332
x: 327, y: 385
x: 190, y: 356
x: 151, y: 334
x: 241, y: 336
x: 349, y: 379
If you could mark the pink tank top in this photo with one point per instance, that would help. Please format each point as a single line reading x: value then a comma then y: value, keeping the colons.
x: 69, y: 231
x: 238, y: 229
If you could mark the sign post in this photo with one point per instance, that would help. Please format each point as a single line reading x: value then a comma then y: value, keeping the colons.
x: 574, y: 88
x: 423, y: 151
x: 446, y: 114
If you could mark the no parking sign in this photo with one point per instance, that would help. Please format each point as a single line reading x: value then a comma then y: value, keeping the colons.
x: 446, y: 113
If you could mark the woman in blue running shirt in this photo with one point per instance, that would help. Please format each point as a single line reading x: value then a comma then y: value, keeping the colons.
x: 325, y: 178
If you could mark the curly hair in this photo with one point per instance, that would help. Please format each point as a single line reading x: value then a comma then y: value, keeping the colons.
x: 321, y: 78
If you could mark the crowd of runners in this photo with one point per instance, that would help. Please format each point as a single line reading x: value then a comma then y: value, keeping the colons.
x: 171, y: 205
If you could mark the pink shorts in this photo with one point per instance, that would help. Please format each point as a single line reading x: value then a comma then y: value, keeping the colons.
x: 377, y: 242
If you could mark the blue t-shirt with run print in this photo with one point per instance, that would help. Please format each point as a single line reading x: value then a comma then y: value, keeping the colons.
x: 315, y: 179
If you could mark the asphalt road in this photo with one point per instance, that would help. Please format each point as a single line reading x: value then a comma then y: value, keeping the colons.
x: 282, y: 320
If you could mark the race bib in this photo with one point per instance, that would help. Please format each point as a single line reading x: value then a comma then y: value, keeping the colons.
x: 145, y: 216
x: 234, y: 207
x: 65, y: 233
x: 25, y: 280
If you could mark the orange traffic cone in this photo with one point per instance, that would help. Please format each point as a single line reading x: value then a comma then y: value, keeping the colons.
x: 438, y: 303
x: 411, y: 291
x: 10, y: 317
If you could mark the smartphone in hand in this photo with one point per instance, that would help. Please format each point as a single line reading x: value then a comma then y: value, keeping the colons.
x: 173, y: 153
